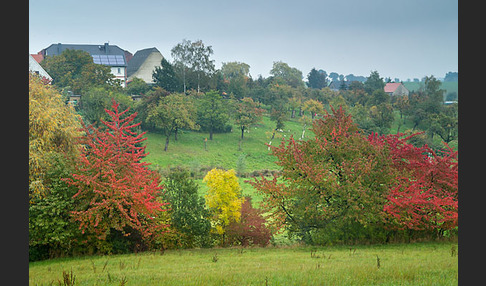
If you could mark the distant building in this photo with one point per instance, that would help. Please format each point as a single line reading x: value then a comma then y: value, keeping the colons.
x: 106, y: 54
x: 36, y: 68
x: 337, y: 85
x: 396, y: 89
x: 143, y: 64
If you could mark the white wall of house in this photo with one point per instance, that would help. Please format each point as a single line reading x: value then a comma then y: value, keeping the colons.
x: 148, y: 67
x: 401, y: 91
x: 120, y: 73
x: 35, y: 67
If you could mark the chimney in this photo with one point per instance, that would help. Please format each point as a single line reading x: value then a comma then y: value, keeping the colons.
x: 106, y: 48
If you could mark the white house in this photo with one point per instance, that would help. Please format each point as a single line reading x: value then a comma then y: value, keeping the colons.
x: 143, y: 64
x: 36, y: 68
x: 106, y: 54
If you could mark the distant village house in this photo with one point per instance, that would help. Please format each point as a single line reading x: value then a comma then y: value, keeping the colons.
x: 36, y: 68
x: 396, y: 89
x: 106, y: 54
x: 143, y: 64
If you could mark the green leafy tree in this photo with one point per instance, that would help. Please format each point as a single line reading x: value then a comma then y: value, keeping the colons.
x: 284, y: 74
x: 377, y: 97
x: 212, y: 112
x: 188, y: 213
x: 246, y: 114
x: 232, y: 70
x: 337, y: 180
x: 314, y: 107
x: 166, y: 77
x: 374, y: 82
x: 52, y: 230
x: 382, y: 117
x: 445, y: 124
x: 316, y: 79
x: 181, y: 53
x: 171, y: 113
x: 96, y: 100
x: 137, y: 86
x: 236, y: 77
x: 195, y: 58
x: 75, y: 69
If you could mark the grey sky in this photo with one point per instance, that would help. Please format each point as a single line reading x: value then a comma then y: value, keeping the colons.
x: 398, y: 38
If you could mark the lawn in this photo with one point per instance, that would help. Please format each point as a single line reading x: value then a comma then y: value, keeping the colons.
x: 430, y: 263
x: 223, y: 151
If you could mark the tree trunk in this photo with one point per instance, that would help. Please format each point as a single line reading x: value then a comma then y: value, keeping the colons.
x: 242, y: 132
x: 184, y: 78
x: 166, y: 143
x: 175, y: 133
x: 211, y: 134
x: 198, y: 76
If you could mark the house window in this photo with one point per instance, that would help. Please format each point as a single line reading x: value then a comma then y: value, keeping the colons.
x: 119, y: 71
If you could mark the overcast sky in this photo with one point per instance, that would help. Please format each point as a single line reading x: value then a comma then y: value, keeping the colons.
x: 398, y: 38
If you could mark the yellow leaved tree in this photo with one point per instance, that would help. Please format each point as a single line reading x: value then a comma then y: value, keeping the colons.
x: 53, y: 128
x: 223, y: 199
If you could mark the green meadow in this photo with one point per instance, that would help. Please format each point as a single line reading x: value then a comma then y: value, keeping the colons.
x: 191, y: 151
x: 425, y: 263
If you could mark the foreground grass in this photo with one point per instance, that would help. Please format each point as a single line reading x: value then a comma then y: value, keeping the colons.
x: 399, y: 264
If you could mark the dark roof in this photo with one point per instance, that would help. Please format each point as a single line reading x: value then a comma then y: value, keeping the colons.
x: 105, y: 49
x: 138, y: 59
x: 336, y: 84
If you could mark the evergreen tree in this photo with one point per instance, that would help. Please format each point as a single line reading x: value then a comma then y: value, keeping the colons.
x: 166, y: 78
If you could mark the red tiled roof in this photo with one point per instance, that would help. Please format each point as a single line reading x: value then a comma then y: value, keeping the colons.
x: 391, y: 86
x: 37, y: 57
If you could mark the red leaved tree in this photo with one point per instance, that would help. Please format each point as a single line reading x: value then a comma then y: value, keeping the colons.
x: 337, y: 179
x: 343, y: 185
x: 251, y: 229
x: 425, y: 195
x: 116, y: 190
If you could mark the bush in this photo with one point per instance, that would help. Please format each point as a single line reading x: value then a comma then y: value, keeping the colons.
x: 251, y: 229
x: 188, y: 216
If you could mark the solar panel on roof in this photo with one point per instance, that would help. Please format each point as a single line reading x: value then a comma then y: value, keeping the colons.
x: 114, y: 60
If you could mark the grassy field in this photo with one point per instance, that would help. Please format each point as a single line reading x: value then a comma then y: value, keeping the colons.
x: 398, y: 264
x: 223, y: 151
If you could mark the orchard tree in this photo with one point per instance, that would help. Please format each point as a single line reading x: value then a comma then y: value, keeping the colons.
x: 171, y: 113
x: 247, y: 113
x: 314, y: 107
x: 115, y: 189
x: 236, y: 77
x: 382, y: 117
x: 212, y: 112
x: 223, y: 199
